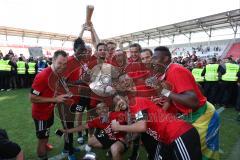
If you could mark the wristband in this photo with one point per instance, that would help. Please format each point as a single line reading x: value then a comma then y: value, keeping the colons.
x: 165, y: 92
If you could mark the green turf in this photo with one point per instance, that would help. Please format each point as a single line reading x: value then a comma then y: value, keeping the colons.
x: 15, y: 117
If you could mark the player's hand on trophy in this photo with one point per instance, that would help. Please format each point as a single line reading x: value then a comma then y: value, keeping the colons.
x: 90, y: 26
x: 162, y: 101
x: 87, y: 27
x: 158, y: 100
x: 153, y: 82
x: 84, y: 26
x: 61, y: 98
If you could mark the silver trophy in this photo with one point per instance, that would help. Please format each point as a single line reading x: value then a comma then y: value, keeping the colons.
x: 151, y: 81
x: 102, y: 79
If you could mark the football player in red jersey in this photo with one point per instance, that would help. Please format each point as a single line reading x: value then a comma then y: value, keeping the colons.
x: 178, y: 139
x: 104, y: 137
x: 188, y: 100
x: 43, y: 100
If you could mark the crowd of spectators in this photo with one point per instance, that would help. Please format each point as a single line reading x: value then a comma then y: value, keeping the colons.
x: 201, y: 50
x: 220, y: 91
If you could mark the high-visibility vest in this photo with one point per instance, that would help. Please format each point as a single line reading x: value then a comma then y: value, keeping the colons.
x: 31, y: 67
x: 4, y: 66
x: 211, y: 72
x: 197, y: 74
x: 231, y: 72
x: 21, y: 69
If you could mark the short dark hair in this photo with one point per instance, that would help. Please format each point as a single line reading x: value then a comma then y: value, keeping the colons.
x: 101, y: 44
x: 79, y: 45
x: 137, y: 46
x: 59, y: 53
x: 214, y: 59
x: 164, y: 50
x: 147, y: 50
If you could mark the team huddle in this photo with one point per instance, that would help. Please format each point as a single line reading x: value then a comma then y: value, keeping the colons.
x: 131, y: 97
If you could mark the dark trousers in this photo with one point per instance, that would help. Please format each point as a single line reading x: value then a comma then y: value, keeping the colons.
x: 30, y: 78
x: 21, y: 80
x: 238, y: 98
x: 13, y: 81
x: 4, y: 80
x: 211, y: 91
x: 201, y: 87
x: 150, y: 144
x: 228, y: 91
x: 186, y: 147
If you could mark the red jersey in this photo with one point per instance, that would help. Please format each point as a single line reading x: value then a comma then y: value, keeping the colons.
x: 73, y: 69
x: 72, y: 74
x: 40, y: 87
x: 161, y: 125
x: 106, y: 127
x: 182, y: 80
x: 139, y: 73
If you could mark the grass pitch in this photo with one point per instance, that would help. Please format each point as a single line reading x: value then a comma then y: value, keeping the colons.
x: 15, y: 117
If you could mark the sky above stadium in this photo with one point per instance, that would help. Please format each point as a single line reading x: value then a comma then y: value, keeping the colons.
x: 110, y: 17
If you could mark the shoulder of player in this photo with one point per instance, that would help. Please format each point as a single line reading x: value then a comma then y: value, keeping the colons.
x: 120, y: 116
x: 94, y: 121
x: 139, y: 104
x: 117, y: 114
x: 70, y: 58
x: 44, y: 73
x: 177, y: 68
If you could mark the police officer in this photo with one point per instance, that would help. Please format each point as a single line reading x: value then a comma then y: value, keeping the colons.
x: 212, y: 73
x: 21, y: 72
x: 31, y: 71
x: 229, y: 83
x: 197, y: 72
x: 5, y: 69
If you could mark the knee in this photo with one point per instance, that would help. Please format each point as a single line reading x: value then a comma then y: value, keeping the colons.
x: 115, y: 150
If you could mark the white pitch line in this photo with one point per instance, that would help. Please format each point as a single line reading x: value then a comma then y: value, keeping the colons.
x: 219, y: 110
x: 58, y: 157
